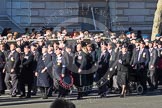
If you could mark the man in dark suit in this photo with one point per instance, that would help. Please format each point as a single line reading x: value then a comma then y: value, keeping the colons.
x: 98, y: 46
x: 68, y: 55
x: 142, y: 62
x: 53, y: 56
x: 36, y: 55
x: 113, y: 67
x: 92, y: 59
x: 152, y: 65
x: 133, y: 68
x: 112, y: 54
x: 158, y: 78
x: 103, y: 66
x: 2, y: 63
x: 135, y: 53
x: 12, y: 70
x: 111, y: 63
x: 26, y: 75
x: 59, y: 69
x: 42, y: 72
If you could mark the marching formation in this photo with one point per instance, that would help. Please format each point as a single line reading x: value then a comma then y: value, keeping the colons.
x: 122, y: 64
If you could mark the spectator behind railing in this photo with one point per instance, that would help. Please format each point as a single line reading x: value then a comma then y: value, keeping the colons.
x: 47, y: 34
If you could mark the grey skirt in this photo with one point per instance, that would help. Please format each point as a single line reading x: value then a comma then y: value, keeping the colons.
x: 122, y: 78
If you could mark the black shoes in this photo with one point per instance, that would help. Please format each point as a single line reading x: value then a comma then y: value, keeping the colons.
x: 28, y: 96
x: 79, y: 96
x: 61, y: 96
x: 13, y: 95
x: 22, y: 96
x: 44, y: 96
x: 103, y: 95
x: 33, y: 93
x: 122, y: 96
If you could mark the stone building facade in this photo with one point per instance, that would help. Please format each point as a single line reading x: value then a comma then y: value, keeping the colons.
x: 81, y: 14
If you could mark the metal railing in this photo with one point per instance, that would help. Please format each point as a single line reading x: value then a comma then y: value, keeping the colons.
x: 69, y: 40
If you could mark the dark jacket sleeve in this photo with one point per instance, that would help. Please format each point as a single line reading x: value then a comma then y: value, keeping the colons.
x: 38, y: 64
x: 147, y: 57
x: 30, y: 59
x: 84, y: 62
x: 17, y: 58
x: 127, y: 60
x: 155, y: 55
x: 50, y: 64
x: 116, y: 60
x: 63, y: 65
x: 2, y: 63
x: 133, y: 57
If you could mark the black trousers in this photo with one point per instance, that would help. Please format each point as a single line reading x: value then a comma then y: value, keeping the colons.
x: 44, y: 91
x: 142, y: 76
x: 158, y: 77
x: 62, y: 91
x: 103, y: 88
x: 34, y: 86
x: 1, y: 82
x: 50, y: 89
x: 11, y: 86
x: 22, y: 87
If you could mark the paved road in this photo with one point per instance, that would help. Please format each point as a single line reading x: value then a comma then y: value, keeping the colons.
x: 150, y: 100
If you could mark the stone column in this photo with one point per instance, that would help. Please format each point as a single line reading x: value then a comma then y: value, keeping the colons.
x: 157, y: 26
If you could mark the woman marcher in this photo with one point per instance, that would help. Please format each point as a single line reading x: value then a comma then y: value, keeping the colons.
x: 123, y: 68
x: 80, y: 65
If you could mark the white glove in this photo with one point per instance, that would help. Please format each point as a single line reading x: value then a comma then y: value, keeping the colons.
x: 120, y: 61
x: 111, y: 69
x: 108, y: 77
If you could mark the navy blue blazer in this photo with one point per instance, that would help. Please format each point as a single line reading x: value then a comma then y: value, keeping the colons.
x: 144, y: 57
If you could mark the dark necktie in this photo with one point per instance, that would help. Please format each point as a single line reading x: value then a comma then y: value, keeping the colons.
x: 43, y: 57
x: 10, y: 54
x: 139, y: 56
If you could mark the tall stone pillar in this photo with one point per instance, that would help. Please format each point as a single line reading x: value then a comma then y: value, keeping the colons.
x: 157, y: 26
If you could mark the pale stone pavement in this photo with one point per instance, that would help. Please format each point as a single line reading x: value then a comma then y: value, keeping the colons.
x: 150, y: 100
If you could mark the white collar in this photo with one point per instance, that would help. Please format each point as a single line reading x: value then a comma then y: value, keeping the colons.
x: 110, y: 50
x: 12, y: 51
x: 44, y: 54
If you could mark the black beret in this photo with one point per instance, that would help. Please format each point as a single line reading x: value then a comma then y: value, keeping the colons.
x: 125, y: 45
x: 27, y: 46
x: 83, y: 44
x: 159, y: 42
x: 34, y: 45
x: 104, y: 43
x: 69, y: 46
x: 119, y: 42
x: 45, y: 46
x: 142, y: 42
x: 59, y: 49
